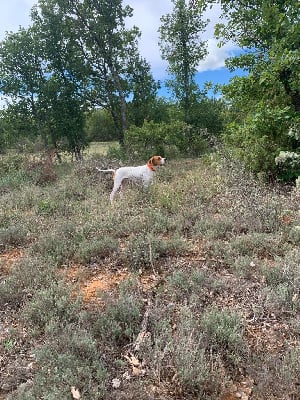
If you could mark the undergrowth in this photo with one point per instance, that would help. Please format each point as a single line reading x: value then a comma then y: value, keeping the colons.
x: 221, y: 251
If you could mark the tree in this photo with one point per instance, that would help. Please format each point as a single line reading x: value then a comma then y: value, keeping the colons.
x: 21, y: 79
x: 144, y: 92
x: 264, y: 105
x: 43, y: 94
x: 100, y: 127
x: 65, y: 93
x: 182, y: 47
x: 272, y: 44
x: 108, y: 49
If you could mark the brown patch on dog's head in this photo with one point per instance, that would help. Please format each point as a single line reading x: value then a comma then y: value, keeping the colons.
x: 156, y: 161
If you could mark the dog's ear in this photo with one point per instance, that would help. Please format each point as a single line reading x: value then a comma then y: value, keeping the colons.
x: 151, y: 161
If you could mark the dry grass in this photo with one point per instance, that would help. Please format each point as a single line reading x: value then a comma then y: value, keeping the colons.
x: 189, y: 290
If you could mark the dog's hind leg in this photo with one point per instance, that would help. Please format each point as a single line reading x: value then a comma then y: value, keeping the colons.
x: 117, y: 186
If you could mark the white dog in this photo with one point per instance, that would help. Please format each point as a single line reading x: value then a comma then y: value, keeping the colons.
x: 143, y: 174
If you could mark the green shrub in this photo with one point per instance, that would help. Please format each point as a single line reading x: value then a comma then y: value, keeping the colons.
x: 192, y: 286
x: 256, y: 245
x: 213, y: 229
x: 177, y: 354
x: 54, y: 247
x: 144, y: 249
x: 28, y: 275
x: 165, y: 139
x: 197, y: 373
x: 52, y: 304
x: 120, y: 321
x: 95, y: 249
x: 223, y: 331
x: 263, y: 134
x: 71, y: 359
x: 14, y: 235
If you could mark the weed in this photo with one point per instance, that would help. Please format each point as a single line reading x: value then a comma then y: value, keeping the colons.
x: 92, y: 250
x: 54, y: 303
x: 29, y: 275
x: 120, y: 321
x: 144, y: 250
x: 223, y: 332
x: 71, y: 359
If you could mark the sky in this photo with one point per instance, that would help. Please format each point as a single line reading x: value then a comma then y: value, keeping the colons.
x: 146, y: 16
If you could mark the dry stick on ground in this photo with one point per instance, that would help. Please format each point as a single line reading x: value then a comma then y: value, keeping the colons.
x: 143, y: 332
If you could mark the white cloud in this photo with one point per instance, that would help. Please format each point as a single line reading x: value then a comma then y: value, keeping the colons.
x: 13, y: 14
x: 216, y: 55
x: 146, y: 16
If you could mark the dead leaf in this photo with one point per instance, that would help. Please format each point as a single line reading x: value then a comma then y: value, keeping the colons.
x: 75, y: 393
x: 133, y: 360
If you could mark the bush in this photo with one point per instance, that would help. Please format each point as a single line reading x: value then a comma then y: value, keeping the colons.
x: 95, y: 249
x: 71, y: 359
x: 55, y: 247
x: 13, y: 235
x: 120, y: 322
x: 53, y: 304
x: 260, y: 139
x: 192, y: 362
x: 144, y: 249
x: 165, y: 139
x: 29, y: 275
x: 223, y: 332
x: 178, y: 356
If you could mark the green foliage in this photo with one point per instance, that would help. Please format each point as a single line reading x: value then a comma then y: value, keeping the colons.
x: 207, y: 113
x: 266, y: 103
x: 182, y: 47
x: 120, y: 321
x: 223, y: 330
x: 258, y: 141
x: 45, y: 96
x: 99, y: 126
x: 165, y: 139
x: 53, y: 304
x: 71, y: 359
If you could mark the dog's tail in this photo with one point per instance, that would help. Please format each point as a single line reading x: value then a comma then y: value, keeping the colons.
x: 105, y: 170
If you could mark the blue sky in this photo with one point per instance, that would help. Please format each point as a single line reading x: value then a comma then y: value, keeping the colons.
x: 146, y: 16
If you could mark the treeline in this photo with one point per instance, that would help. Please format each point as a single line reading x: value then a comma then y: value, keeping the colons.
x: 76, y: 75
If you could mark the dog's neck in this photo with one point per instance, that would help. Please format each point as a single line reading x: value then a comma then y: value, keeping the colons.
x: 150, y: 166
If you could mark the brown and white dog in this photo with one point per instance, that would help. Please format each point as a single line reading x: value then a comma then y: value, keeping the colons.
x: 143, y: 174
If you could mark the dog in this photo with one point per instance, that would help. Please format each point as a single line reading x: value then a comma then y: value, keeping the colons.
x: 143, y: 174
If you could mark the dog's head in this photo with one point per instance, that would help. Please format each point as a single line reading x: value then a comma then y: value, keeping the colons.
x: 157, y: 161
